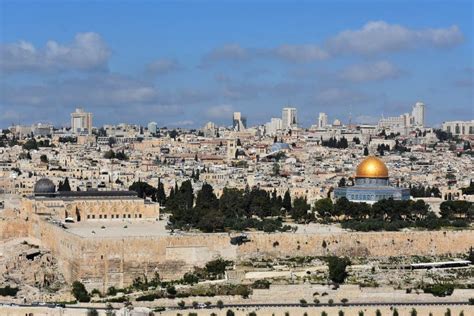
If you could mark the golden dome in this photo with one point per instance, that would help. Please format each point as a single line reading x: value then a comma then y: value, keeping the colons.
x: 372, y: 167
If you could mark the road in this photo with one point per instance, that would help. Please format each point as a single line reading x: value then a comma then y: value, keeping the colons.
x: 264, y: 305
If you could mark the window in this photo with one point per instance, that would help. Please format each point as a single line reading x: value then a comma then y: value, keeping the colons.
x: 93, y: 216
x: 105, y: 216
x: 88, y: 216
x: 100, y: 216
x: 129, y: 215
x: 140, y: 215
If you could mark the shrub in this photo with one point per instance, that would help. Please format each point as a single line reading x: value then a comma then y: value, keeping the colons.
x: 261, y: 284
x: 440, y: 289
x: 361, y: 313
x: 303, y: 302
x: 112, y: 291
x: 220, y: 304
x: 378, y: 312
x: 413, y: 312
x: 330, y: 301
x: 80, y: 293
x: 230, y: 313
x: 92, y: 312
x: 190, y: 278
x: 171, y: 290
x: 316, y: 301
x: 344, y: 301
x: 181, y: 304
x: 395, y: 312
x: 448, y: 312
x: 323, y: 313
x: 149, y: 297
x: 341, y: 313
x: 8, y: 291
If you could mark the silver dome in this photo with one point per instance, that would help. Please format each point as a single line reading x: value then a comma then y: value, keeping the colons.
x: 44, y: 186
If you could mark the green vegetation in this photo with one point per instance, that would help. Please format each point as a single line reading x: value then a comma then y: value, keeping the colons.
x: 110, y: 154
x: 393, y: 215
x: 8, y: 291
x: 439, y: 289
x: 92, y: 312
x: 337, y: 269
x: 235, y: 210
x: 261, y: 284
x: 79, y: 292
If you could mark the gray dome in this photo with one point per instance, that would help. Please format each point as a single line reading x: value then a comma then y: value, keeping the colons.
x: 44, y: 186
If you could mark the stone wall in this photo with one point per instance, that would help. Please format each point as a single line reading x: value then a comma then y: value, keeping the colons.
x: 104, y: 262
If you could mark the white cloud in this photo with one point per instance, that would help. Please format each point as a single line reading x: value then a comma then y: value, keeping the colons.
x: 376, y: 71
x: 220, y: 111
x: 227, y: 52
x: 340, y: 97
x: 379, y: 37
x: 374, y: 37
x: 87, y: 52
x: 300, y: 53
x: 182, y: 123
x: 162, y: 66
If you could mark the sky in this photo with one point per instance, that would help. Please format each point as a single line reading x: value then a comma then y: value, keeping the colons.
x: 185, y: 63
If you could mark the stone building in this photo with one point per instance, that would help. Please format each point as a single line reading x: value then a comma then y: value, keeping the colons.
x: 87, y: 205
x: 371, y: 184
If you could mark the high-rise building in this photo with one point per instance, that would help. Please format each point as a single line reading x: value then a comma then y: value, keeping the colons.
x: 152, y: 127
x: 81, y: 122
x: 239, y: 122
x: 272, y: 127
x: 289, y: 118
x: 322, y: 120
x: 418, y: 114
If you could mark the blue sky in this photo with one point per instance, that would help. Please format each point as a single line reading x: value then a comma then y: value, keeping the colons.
x: 185, y: 63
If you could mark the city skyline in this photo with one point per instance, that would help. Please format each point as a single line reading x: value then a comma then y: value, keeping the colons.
x: 185, y: 65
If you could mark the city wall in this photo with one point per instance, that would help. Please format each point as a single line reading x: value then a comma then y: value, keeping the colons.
x: 104, y: 262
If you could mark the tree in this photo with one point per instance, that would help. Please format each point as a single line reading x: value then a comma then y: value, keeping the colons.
x: 44, y: 158
x: 341, y: 206
x: 220, y: 304
x: 342, y: 182
x: 287, y: 201
x: 216, y: 268
x: 110, y: 154
x: 64, y: 186
x: 230, y: 313
x: 160, y: 193
x: 324, y: 207
x: 300, y: 209
x: 337, y: 268
x: 30, y: 144
x: 190, y: 278
x: 79, y: 292
x: 276, y: 169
